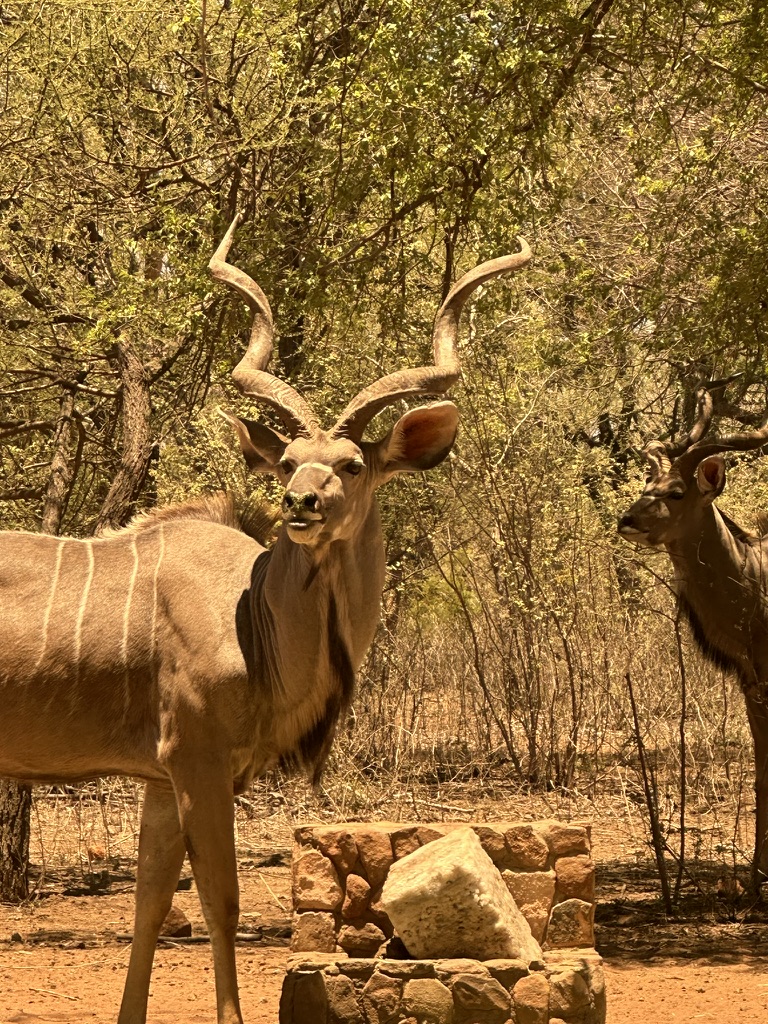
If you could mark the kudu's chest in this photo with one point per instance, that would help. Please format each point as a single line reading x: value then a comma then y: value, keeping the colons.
x: 308, y: 647
x: 728, y: 615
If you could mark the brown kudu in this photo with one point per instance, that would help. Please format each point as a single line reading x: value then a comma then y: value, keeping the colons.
x: 721, y: 571
x: 182, y: 652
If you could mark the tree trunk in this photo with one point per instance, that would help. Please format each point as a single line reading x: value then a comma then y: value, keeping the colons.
x: 119, y: 505
x: 15, y: 797
x: 15, y: 806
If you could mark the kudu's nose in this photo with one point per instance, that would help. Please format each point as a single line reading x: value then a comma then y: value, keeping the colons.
x: 625, y: 521
x: 295, y: 503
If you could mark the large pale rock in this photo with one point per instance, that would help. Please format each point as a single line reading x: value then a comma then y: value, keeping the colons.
x: 448, y: 900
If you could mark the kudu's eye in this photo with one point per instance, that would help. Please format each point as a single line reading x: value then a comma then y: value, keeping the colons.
x: 286, y: 466
x: 674, y: 496
x: 354, y: 467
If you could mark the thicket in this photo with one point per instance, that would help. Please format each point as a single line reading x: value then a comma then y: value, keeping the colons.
x: 378, y: 150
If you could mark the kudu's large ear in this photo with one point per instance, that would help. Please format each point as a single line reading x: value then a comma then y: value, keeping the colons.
x: 261, y: 446
x: 420, y: 439
x: 710, y: 477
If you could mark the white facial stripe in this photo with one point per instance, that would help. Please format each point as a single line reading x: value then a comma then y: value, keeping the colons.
x: 308, y: 465
x: 325, y: 468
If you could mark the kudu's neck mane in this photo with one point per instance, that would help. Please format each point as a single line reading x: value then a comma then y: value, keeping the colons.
x: 741, y: 534
x: 256, y: 520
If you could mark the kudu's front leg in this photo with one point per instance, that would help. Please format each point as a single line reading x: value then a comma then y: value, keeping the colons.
x: 205, y: 797
x: 161, y: 854
x: 757, y: 712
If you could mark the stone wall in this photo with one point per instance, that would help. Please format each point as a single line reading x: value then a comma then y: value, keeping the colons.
x: 566, y: 988
x: 339, y: 870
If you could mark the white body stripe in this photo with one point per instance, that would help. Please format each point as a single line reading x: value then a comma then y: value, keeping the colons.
x: 128, y: 601
x: 83, y: 604
x: 49, y: 606
x: 127, y: 627
x: 155, y: 584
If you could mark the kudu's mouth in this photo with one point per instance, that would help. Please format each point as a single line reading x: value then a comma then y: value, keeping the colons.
x: 304, y: 527
x: 627, y: 530
x: 304, y: 522
x: 634, y: 534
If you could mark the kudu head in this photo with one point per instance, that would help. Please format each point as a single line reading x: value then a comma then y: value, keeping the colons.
x: 330, y: 475
x: 683, y: 479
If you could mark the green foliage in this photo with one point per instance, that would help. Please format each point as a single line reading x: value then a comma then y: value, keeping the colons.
x: 377, y: 152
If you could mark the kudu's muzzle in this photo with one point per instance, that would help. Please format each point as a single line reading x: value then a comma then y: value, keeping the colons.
x: 296, y: 505
x: 627, y: 523
x: 307, y: 497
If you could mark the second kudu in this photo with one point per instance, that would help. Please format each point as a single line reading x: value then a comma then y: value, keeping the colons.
x: 721, y: 571
x: 182, y: 652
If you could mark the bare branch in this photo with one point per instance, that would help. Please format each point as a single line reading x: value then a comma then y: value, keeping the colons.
x: 32, y: 295
x: 12, y: 428
x: 21, y: 494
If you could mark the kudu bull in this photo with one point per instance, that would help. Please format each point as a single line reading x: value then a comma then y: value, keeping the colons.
x: 182, y: 652
x: 721, y: 571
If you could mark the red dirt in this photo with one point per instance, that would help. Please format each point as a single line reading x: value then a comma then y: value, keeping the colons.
x: 705, y: 965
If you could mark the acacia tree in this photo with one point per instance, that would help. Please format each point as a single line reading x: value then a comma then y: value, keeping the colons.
x: 375, y: 149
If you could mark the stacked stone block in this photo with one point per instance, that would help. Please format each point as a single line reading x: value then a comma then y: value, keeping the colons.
x: 566, y: 988
x: 339, y: 871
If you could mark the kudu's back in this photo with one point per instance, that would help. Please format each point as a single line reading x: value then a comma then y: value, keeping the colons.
x: 94, y: 632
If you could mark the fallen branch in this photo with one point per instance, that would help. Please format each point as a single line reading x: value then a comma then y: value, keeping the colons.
x: 276, y: 932
x: 53, y: 992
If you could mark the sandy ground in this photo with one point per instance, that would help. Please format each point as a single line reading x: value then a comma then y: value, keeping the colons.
x: 44, y: 984
x: 709, y: 963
